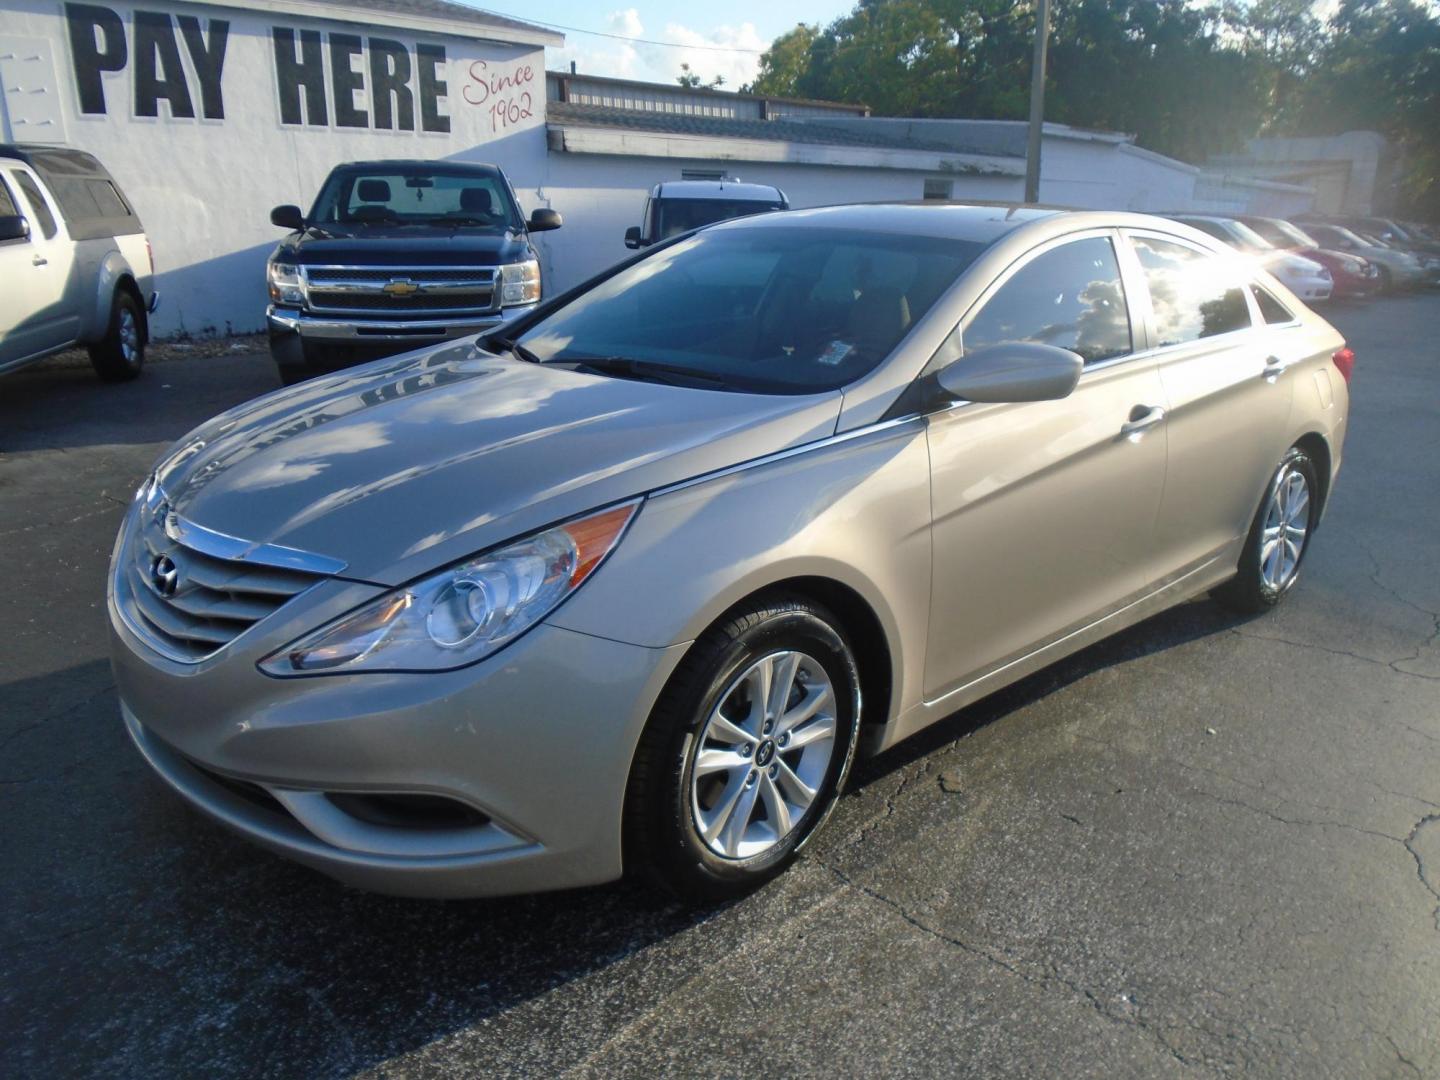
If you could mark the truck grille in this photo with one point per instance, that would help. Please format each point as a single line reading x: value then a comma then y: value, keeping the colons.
x: 189, y: 592
x: 397, y: 290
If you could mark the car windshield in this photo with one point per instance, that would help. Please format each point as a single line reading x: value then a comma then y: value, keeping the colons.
x: 1298, y: 236
x: 1278, y: 234
x: 1247, y: 237
x: 770, y: 310
x: 676, y: 216
x: 416, y: 196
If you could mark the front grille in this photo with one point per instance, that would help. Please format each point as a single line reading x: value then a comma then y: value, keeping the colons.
x: 412, y: 290
x: 190, y: 602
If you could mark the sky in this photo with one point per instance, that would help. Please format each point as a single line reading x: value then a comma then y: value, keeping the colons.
x: 747, y: 26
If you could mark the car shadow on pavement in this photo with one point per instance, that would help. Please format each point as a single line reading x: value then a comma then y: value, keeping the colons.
x: 180, y: 949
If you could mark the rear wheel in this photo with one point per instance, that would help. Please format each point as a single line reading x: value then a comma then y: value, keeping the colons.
x: 120, y: 354
x: 1278, y: 539
x: 745, y: 753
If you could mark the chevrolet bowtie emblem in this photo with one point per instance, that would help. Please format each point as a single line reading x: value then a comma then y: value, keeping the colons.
x: 400, y: 287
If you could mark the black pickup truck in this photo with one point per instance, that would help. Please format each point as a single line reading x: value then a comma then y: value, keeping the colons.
x: 395, y: 255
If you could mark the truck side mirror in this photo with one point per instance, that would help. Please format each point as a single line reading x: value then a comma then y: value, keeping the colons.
x: 545, y: 219
x: 288, y: 217
x: 14, y: 227
x: 632, y: 237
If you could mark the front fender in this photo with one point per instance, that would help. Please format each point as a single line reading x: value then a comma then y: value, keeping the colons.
x: 855, y: 511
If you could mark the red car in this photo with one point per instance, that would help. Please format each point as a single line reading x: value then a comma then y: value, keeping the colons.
x: 1355, y: 276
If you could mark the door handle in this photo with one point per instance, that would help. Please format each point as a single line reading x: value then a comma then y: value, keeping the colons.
x: 1273, y: 369
x: 1142, y: 419
x: 39, y: 260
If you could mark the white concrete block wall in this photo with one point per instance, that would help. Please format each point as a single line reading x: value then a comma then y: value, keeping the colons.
x: 601, y: 196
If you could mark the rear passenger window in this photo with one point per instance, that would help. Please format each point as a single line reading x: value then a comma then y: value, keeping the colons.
x: 1271, y: 310
x: 1070, y: 296
x: 1195, y: 295
x: 43, y: 217
x: 7, y: 202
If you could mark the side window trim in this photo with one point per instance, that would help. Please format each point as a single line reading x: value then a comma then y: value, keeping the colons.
x: 1242, y: 282
x: 1024, y: 260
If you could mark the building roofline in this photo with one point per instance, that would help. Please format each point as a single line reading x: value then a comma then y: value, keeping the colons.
x: 735, y: 95
x: 441, y: 17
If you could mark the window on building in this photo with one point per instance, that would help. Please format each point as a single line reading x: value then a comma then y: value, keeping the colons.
x: 938, y: 188
x: 38, y: 206
x: 702, y: 174
x: 1195, y: 294
x: 1070, y: 296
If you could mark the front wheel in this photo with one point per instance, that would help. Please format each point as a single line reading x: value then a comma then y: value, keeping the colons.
x: 744, y: 756
x: 1278, y: 539
x: 120, y: 354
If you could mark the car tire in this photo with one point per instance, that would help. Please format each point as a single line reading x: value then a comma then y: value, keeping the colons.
x: 120, y: 355
x: 674, y: 799
x: 1278, y: 539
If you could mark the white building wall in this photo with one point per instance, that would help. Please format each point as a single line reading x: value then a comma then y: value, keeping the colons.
x: 600, y: 196
x: 204, y: 184
x: 1102, y: 174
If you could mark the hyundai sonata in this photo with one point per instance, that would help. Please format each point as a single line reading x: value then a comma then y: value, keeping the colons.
x: 628, y: 583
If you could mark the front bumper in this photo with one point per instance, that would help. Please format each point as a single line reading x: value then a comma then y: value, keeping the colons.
x: 337, y: 330
x: 536, y: 741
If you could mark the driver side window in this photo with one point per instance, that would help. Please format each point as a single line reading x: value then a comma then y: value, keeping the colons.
x: 1070, y: 296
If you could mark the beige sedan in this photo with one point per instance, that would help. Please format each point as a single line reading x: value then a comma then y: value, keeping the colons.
x: 628, y: 584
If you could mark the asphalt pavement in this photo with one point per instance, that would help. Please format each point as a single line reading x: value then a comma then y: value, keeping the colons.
x: 1208, y: 846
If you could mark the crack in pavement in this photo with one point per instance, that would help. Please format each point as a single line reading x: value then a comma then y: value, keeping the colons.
x: 1044, y: 981
x: 1378, y: 661
x: 1409, y: 843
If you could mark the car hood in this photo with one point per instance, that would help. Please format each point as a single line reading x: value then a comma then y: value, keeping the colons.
x: 403, y: 245
x: 409, y: 463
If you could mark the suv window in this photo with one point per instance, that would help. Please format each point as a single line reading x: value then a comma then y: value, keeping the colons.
x: 1195, y: 294
x: 7, y: 202
x: 1271, y: 310
x: 43, y: 217
x: 1070, y: 296
x: 676, y: 216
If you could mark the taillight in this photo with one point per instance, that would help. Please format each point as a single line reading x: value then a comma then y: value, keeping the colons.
x: 1344, y: 361
x: 150, y: 254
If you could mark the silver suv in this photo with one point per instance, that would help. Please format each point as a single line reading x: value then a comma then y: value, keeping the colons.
x: 75, y: 262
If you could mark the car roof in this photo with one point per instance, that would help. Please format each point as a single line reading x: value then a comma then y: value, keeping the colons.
x: 709, y: 189
x: 65, y: 160
x: 422, y: 164
x: 982, y: 222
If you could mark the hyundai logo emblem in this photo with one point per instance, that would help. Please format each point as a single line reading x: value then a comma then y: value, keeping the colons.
x: 164, y: 575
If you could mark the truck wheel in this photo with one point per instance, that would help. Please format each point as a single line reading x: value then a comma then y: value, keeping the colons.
x: 120, y: 354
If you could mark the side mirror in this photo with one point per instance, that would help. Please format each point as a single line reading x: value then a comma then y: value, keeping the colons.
x: 545, y: 219
x: 288, y: 217
x: 1013, y: 371
x: 14, y: 227
x: 632, y: 237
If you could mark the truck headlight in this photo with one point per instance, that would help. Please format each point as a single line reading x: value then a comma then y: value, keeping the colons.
x: 520, y: 283
x: 464, y: 613
x: 285, y: 284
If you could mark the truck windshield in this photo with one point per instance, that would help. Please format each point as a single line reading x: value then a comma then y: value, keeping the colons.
x: 418, y: 196
x: 676, y: 216
x: 766, y: 310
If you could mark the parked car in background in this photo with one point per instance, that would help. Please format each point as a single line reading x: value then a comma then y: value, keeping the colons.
x: 1306, y: 278
x: 1398, y: 269
x: 1353, y: 276
x: 677, y: 206
x: 394, y: 255
x: 629, y: 582
x: 75, y: 266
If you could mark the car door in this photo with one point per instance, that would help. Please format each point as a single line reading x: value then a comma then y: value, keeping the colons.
x: 17, y: 305
x: 1043, y: 512
x: 1229, y: 397
x: 52, y: 283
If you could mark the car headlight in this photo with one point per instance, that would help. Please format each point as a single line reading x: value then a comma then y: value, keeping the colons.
x: 285, y: 284
x: 462, y: 614
x: 520, y: 283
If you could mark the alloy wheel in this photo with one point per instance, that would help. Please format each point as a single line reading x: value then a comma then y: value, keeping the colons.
x: 763, y: 754
x: 1287, y: 520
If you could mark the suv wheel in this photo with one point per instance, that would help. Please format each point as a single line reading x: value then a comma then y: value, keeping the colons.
x: 746, y: 751
x: 120, y: 354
